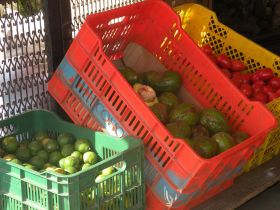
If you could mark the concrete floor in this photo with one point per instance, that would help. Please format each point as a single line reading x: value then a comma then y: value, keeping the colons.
x: 268, y: 200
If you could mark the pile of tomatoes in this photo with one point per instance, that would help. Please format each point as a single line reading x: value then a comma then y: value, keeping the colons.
x: 260, y: 86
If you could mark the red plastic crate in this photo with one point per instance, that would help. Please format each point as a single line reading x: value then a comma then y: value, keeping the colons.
x: 176, y: 176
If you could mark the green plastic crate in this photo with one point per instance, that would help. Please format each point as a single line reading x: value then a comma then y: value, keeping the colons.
x: 24, y: 189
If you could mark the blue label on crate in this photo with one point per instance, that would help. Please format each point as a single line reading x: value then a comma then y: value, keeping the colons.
x: 94, y: 105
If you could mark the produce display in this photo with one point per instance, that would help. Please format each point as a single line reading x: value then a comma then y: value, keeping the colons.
x: 260, y: 86
x: 63, y: 155
x: 207, y: 132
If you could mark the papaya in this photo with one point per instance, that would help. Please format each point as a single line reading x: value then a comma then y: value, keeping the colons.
x: 199, y: 130
x: 224, y: 140
x: 240, y: 136
x: 168, y: 98
x: 184, y: 112
x: 205, y: 146
x: 179, y: 129
x: 214, y: 121
x: 161, y: 111
x: 168, y: 81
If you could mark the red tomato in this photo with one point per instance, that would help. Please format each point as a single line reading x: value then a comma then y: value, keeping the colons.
x: 267, y: 89
x: 259, y: 82
x: 213, y: 58
x: 265, y: 74
x: 261, y: 96
x: 274, y: 82
x: 257, y: 88
x: 224, y: 61
x: 207, y: 49
x: 255, y: 77
x: 226, y: 72
x: 246, y: 78
x: 237, y: 65
x: 246, y: 90
x: 278, y: 92
x: 236, y: 74
x: 272, y: 96
x: 237, y: 81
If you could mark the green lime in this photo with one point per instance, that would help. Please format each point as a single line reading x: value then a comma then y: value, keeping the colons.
x: 108, y: 171
x: 65, y: 138
x: 99, y: 178
x: 71, y: 161
x: 55, y: 157
x: 39, y: 136
x: 78, y: 155
x: 17, y: 161
x: 82, y: 145
x: 38, y: 162
x: 67, y: 150
x: 61, y: 163
x: 90, y: 158
x: 10, y: 144
x: 35, y: 147
x: 86, y: 166
x: 23, y: 153
x: 44, y: 155
x: 50, y: 145
x: 29, y: 166
x: 71, y: 170
x: 9, y: 157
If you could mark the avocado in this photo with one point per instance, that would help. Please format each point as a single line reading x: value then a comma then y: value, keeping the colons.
x: 168, y: 98
x: 161, y: 111
x: 224, y: 140
x: 240, y: 136
x: 179, y: 129
x: 146, y: 93
x: 184, y: 112
x: 214, y: 121
x: 168, y: 81
x: 129, y: 74
x: 199, y: 130
x: 205, y: 146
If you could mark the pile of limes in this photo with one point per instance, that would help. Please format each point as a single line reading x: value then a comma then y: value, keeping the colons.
x: 64, y: 154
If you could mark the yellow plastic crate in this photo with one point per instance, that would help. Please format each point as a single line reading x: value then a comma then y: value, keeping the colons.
x: 203, y: 26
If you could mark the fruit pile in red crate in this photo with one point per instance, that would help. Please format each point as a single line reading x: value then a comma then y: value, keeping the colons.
x: 260, y: 86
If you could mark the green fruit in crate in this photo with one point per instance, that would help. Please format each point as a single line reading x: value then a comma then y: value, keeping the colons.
x: 168, y: 98
x: 50, y: 168
x: 161, y: 112
x: 48, y: 165
x: 129, y: 74
x: 214, y: 121
x: 86, y: 166
x: 240, y: 136
x: 38, y: 162
x: 90, y: 158
x: 29, y: 7
x: 23, y: 153
x: 184, y: 112
x: 71, y: 170
x: 59, y: 171
x: 100, y: 178
x: 168, y: 81
x: 17, y: 161
x: 224, y: 140
x: 77, y: 155
x: 10, y: 144
x: 146, y: 93
x: 2, y: 152
x: 35, y: 147
x: 205, y: 146
x: 199, y: 130
x: 44, y: 155
x: 50, y: 145
x: 71, y: 161
x: 108, y: 171
x: 9, y: 157
x: 29, y: 166
x: 82, y: 145
x: 55, y: 157
x: 65, y: 138
x: 39, y: 136
x: 179, y: 129
x: 67, y: 150
x: 61, y: 163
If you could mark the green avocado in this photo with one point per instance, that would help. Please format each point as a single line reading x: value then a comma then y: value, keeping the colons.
x: 224, y: 140
x: 168, y: 81
x: 199, y: 130
x: 240, y: 136
x: 205, y: 146
x: 168, y: 98
x: 129, y: 74
x: 214, y: 121
x: 161, y: 111
x: 184, y: 112
x: 179, y: 129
